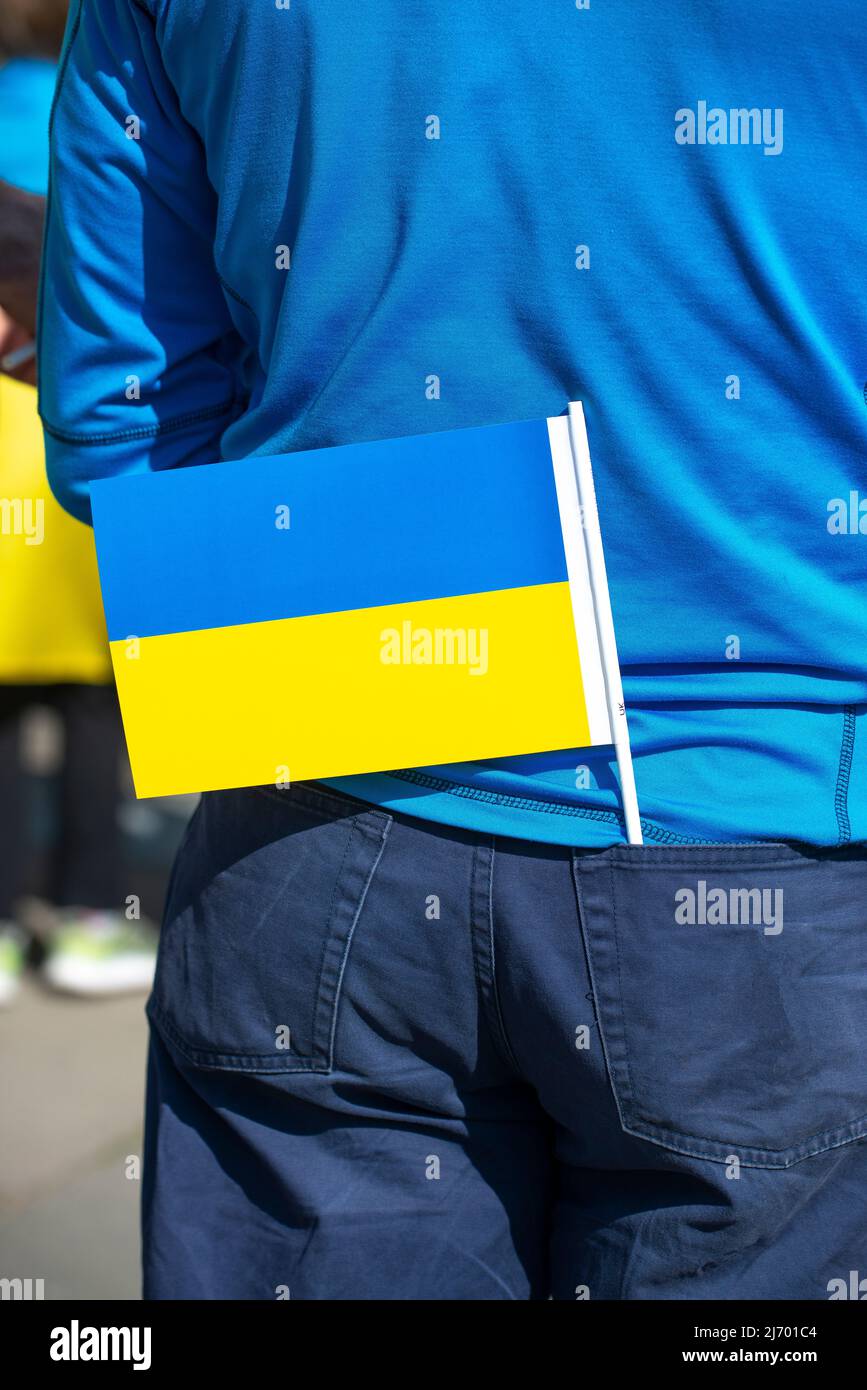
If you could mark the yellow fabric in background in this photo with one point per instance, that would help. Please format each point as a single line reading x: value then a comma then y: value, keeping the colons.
x: 51, y: 621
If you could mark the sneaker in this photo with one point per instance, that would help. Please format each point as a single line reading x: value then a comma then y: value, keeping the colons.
x: 12, y: 952
x: 98, y: 953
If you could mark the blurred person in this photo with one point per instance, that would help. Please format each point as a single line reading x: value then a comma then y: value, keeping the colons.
x: 53, y: 648
x: 439, y: 1033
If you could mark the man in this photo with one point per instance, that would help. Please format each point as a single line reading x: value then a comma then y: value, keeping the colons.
x: 438, y: 1033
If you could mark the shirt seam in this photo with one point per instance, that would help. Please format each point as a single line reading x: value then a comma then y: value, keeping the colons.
x: 522, y: 803
x: 844, y: 772
x: 178, y: 422
x: 234, y: 294
x: 64, y: 63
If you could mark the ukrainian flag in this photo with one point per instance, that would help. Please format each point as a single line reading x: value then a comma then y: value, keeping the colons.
x: 352, y: 609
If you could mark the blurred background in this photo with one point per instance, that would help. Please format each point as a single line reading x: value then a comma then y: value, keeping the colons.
x: 83, y: 866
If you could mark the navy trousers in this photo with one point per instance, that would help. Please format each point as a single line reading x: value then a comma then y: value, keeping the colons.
x: 393, y: 1060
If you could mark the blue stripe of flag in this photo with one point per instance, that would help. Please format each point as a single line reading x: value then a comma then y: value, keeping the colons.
x: 427, y: 516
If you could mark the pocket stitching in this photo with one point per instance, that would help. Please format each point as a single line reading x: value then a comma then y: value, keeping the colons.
x: 629, y: 1086
x: 318, y: 1004
x: 210, y: 1060
x: 347, y: 947
x: 749, y: 1156
x: 321, y: 1059
x: 620, y: 1077
x: 584, y: 928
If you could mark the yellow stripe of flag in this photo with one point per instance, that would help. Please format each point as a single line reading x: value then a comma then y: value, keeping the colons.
x: 339, y: 693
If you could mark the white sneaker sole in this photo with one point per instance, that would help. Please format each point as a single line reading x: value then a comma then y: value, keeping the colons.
x: 10, y: 986
x: 125, y: 975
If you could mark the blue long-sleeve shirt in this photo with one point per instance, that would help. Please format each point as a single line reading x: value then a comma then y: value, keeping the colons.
x: 279, y: 228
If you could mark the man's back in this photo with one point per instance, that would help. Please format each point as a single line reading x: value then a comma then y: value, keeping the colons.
x: 507, y: 1056
x: 424, y: 217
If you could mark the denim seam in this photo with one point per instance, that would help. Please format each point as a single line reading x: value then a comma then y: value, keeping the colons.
x: 749, y: 1155
x: 495, y: 989
x: 678, y: 1141
x: 471, y: 906
x: 351, y: 933
x: 485, y: 978
x: 844, y: 771
x: 326, y: 942
x: 584, y: 928
x: 620, y: 990
x: 321, y: 1059
x: 263, y: 1063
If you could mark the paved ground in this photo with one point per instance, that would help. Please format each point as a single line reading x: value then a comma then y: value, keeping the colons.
x: 71, y: 1091
x: 72, y: 1074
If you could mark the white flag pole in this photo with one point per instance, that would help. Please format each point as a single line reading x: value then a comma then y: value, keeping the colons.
x: 604, y: 619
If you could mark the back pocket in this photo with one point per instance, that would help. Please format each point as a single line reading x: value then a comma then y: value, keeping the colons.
x: 731, y: 990
x: 264, y: 900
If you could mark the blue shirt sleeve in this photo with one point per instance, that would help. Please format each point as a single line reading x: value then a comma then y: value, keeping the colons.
x: 139, y: 363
